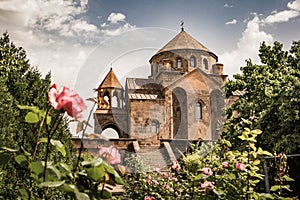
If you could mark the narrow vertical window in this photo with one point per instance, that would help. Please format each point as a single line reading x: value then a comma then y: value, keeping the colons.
x: 198, y: 111
x: 178, y: 63
x: 205, y: 64
x: 115, y: 100
x: 193, y: 61
x: 154, y: 127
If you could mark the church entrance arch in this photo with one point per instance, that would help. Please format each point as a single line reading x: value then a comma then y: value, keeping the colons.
x: 110, y: 132
x: 180, y: 115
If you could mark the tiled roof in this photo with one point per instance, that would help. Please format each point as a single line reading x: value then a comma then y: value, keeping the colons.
x: 140, y: 83
x: 110, y: 81
x: 183, y: 41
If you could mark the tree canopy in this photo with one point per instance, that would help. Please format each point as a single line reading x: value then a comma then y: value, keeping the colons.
x: 21, y: 84
x: 271, y: 98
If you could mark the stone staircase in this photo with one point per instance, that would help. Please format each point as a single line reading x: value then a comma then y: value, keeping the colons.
x: 155, y: 156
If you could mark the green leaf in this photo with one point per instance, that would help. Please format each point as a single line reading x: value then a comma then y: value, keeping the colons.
x: 31, y: 117
x: 82, y: 196
x: 231, y: 176
x: 256, y: 132
x: 117, y: 179
x: 109, y: 169
x: 54, y: 170
x: 242, y: 137
x: 69, y: 188
x: 261, y: 152
x: 21, y: 160
x: 255, y: 162
x: 95, y: 173
x: 23, y: 194
x: 106, y: 194
x: 275, y: 188
x: 36, y: 167
x: 52, y: 184
x: 198, y: 177
x: 34, y: 109
x: 48, y: 119
x: 43, y: 139
x: 4, y: 158
x: 287, y: 178
x: 9, y: 149
x: 59, y: 146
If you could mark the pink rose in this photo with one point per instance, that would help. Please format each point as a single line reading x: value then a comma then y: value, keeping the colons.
x: 166, y: 187
x: 225, y: 164
x: 154, y: 182
x: 67, y: 100
x: 175, y: 179
x: 111, y: 154
x: 240, y: 166
x: 176, y: 166
x: 165, y: 175
x: 207, y: 184
x: 149, y: 198
x: 207, y: 171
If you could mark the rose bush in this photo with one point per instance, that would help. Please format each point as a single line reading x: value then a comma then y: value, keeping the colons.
x: 51, y: 177
x: 207, y: 172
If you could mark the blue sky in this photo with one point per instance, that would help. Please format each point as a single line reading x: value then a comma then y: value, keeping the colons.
x: 79, y: 40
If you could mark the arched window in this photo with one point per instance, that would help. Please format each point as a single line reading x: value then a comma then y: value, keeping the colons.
x: 205, y: 64
x: 106, y: 99
x: 114, y: 102
x: 154, y: 126
x: 178, y: 63
x: 193, y: 61
x: 198, y: 111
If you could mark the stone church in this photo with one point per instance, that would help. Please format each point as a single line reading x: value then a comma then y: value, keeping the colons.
x: 180, y: 100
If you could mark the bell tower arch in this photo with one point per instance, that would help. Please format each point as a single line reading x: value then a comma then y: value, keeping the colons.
x: 110, y: 106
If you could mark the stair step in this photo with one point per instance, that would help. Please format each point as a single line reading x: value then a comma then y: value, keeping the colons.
x: 154, y: 157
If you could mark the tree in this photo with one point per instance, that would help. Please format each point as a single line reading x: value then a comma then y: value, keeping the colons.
x: 21, y: 84
x: 271, y: 99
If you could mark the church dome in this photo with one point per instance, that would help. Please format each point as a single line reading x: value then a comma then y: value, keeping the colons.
x: 183, y: 41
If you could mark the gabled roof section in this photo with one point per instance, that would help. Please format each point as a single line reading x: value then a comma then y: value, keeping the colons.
x: 183, y: 41
x: 110, y: 81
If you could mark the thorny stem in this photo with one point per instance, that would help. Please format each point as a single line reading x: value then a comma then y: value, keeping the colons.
x: 39, y: 133
x: 49, y: 136
x: 81, y: 141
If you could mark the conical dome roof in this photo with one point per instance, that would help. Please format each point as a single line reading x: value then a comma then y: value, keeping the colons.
x: 183, y: 41
x: 110, y: 81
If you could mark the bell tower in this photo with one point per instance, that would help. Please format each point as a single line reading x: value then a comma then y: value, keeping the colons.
x: 111, y: 116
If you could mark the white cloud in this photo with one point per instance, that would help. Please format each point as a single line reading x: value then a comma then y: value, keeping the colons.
x: 226, y: 5
x: 118, y: 31
x: 115, y: 25
x: 55, y: 17
x: 116, y: 17
x: 295, y: 5
x: 282, y: 16
x: 247, y: 47
x: 234, y: 21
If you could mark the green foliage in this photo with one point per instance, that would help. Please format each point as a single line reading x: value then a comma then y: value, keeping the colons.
x: 21, y: 84
x: 218, y: 171
x: 271, y: 99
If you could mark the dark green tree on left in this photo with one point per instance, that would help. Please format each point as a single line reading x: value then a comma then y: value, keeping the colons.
x: 22, y: 84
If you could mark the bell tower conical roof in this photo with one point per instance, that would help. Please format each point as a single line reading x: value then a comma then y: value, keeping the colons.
x: 110, y: 81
